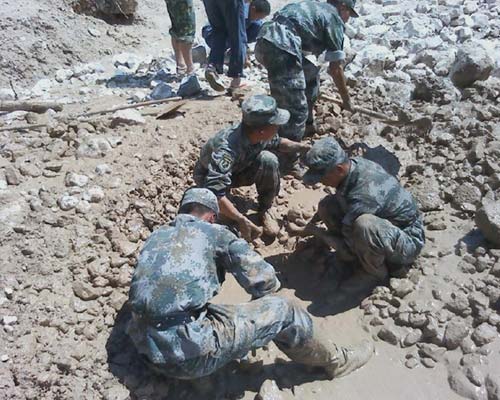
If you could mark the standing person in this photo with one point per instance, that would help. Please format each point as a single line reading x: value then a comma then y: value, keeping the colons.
x: 371, y: 220
x: 255, y: 12
x: 182, y: 335
x: 182, y: 32
x: 304, y: 27
x: 242, y: 156
x: 227, y: 18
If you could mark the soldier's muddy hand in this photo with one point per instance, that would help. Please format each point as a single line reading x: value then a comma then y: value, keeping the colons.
x: 249, y: 231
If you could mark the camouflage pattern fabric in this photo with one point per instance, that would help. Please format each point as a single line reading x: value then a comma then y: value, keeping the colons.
x: 182, y: 18
x: 378, y: 219
x: 290, y: 86
x: 229, y: 160
x: 179, y: 270
x: 299, y: 28
x: 306, y: 27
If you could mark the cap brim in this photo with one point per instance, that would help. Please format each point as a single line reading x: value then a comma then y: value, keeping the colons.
x: 280, y: 118
x: 354, y: 14
x: 312, y: 177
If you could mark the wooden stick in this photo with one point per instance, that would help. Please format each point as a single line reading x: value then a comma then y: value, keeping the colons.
x: 85, y: 115
x: 33, y: 106
x: 135, y: 105
x: 22, y: 127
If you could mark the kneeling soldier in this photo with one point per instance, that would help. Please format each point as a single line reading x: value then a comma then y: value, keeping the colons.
x: 182, y: 335
x: 370, y: 219
x: 241, y: 156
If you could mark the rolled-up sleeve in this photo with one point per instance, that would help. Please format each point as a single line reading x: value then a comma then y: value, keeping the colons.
x: 218, y: 178
x: 334, y: 40
x: 335, y: 56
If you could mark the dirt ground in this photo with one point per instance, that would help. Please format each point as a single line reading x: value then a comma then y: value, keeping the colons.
x: 78, y: 199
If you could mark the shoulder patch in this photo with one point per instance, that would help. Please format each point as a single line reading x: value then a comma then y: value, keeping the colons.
x: 225, y: 163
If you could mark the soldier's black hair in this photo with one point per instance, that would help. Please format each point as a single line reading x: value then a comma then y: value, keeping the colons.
x: 195, y: 208
x: 261, y: 6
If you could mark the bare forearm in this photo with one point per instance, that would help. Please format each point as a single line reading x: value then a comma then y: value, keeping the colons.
x: 337, y: 73
x: 228, y: 209
x: 289, y: 146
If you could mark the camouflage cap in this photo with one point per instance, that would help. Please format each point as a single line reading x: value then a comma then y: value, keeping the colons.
x: 325, y: 154
x: 261, y: 110
x: 201, y: 196
x: 350, y: 4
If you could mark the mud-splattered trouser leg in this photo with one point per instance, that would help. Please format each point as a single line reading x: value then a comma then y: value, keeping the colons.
x: 243, y: 327
x: 288, y: 86
x: 311, y: 73
x: 382, y: 247
x: 264, y: 172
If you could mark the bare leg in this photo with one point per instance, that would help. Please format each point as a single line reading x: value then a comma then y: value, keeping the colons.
x: 187, y: 56
x: 179, y: 58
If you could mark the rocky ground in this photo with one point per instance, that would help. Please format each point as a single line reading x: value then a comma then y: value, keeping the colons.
x: 79, y: 197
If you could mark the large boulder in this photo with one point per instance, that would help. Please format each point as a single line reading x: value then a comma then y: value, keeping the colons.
x: 488, y: 220
x: 472, y: 63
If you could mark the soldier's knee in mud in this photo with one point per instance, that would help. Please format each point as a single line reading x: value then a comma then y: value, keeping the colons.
x: 365, y: 225
x: 269, y: 160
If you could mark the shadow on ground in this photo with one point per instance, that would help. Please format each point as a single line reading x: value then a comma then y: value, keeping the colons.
x: 230, y: 382
x: 311, y: 272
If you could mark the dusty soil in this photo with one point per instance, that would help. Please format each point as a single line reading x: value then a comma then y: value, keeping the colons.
x: 78, y: 199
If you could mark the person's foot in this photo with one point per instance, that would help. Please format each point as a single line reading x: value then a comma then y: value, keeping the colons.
x: 239, y: 83
x: 297, y: 170
x: 181, y: 70
x: 214, y: 80
x: 352, y: 359
x: 270, y: 225
x: 190, y: 70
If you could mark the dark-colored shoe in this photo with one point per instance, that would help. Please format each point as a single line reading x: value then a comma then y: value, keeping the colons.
x: 214, y: 80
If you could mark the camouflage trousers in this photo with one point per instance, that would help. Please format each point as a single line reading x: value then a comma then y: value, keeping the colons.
x: 182, y: 18
x: 263, y: 172
x: 293, y: 82
x: 380, y: 247
x: 221, y: 334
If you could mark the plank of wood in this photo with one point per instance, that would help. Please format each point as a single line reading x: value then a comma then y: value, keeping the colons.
x: 32, y: 106
x: 170, y: 110
x: 88, y: 114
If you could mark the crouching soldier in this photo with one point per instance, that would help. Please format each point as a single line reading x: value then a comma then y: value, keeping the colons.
x: 182, y: 335
x: 371, y: 220
x: 241, y: 155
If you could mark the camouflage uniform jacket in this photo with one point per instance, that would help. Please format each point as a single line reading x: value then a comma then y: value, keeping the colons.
x: 228, y: 152
x: 369, y: 189
x: 181, y: 268
x: 307, y: 27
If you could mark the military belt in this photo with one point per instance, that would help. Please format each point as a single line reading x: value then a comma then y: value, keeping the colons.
x: 168, y: 321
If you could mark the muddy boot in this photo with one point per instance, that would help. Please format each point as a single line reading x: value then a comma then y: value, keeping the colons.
x: 297, y: 170
x: 269, y: 224
x: 337, y: 361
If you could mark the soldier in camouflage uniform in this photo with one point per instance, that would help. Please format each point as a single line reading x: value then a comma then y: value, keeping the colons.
x: 284, y: 47
x: 370, y: 219
x: 242, y: 155
x: 182, y: 32
x: 182, y: 335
